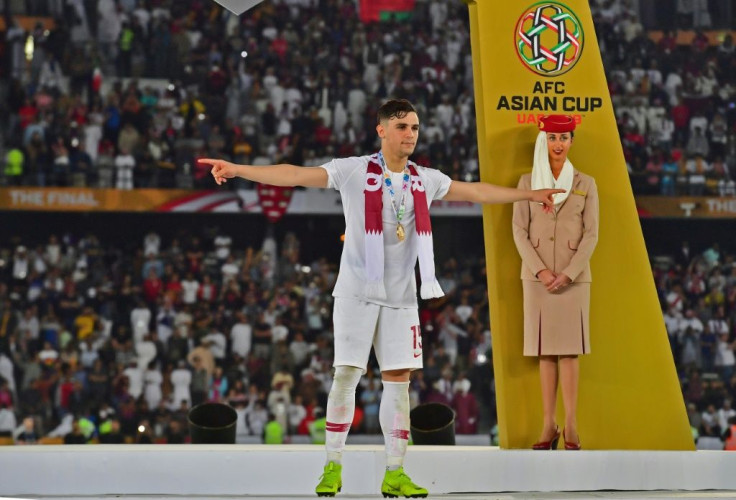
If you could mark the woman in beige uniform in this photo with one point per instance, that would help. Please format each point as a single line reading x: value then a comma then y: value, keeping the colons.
x: 555, y: 247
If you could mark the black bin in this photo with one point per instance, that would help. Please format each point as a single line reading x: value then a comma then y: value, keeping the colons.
x: 212, y: 423
x: 433, y: 423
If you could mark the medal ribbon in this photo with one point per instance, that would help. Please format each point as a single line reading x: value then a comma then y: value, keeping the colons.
x: 399, y: 212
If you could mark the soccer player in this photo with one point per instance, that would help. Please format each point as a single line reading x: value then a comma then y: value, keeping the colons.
x: 386, y: 200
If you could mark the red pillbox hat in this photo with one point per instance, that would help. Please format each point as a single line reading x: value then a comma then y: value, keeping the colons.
x: 557, y: 123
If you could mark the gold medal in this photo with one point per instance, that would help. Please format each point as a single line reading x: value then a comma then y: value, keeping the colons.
x: 400, y: 232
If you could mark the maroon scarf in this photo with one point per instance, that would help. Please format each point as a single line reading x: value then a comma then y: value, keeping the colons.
x: 374, y: 287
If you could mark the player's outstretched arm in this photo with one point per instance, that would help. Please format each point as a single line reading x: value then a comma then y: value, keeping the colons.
x: 481, y: 192
x: 275, y: 175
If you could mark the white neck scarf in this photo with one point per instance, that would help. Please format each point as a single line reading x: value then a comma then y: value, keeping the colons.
x: 542, y: 177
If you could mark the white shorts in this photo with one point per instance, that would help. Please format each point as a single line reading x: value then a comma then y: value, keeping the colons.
x: 394, y: 334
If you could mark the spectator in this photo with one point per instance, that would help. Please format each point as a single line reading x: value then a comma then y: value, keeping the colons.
x: 725, y: 359
x: 75, y: 436
x: 725, y: 415
x: 241, y: 335
x: 709, y: 426
x: 8, y: 421
x: 124, y: 165
x: 181, y: 379
x: 465, y: 406
x: 26, y: 434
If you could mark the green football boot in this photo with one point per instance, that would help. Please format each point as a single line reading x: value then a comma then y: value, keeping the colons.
x: 331, y: 481
x: 397, y: 484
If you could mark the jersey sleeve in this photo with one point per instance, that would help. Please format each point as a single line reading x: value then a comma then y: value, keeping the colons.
x: 339, y: 170
x: 437, y: 183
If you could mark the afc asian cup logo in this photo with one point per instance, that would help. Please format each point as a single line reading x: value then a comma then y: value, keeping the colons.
x: 549, y: 38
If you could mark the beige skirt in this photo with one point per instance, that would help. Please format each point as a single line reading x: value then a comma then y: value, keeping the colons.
x: 556, y: 323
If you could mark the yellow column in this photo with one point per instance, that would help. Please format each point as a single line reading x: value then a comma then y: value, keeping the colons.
x: 629, y: 396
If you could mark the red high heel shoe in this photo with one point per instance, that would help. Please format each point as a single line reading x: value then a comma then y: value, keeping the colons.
x: 569, y: 445
x: 548, y: 445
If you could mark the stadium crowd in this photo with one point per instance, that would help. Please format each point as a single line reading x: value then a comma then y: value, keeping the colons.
x: 200, y: 81
x: 128, y: 94
x: 675, y: 103
x: 698, y: 295
x: 126, y: 341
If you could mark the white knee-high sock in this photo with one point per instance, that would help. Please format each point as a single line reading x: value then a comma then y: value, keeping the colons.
x: 340, y: 410
x: 394, y: 417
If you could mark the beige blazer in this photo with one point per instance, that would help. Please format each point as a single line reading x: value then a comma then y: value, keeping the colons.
x: 562, y: 242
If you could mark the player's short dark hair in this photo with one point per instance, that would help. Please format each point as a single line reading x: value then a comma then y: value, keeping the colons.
x: 395, y: 108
